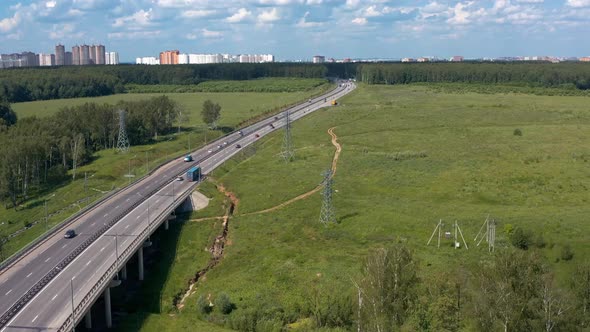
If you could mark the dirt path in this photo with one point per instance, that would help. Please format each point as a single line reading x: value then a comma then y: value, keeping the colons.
x: 216, y: 248
x: 316, y: 189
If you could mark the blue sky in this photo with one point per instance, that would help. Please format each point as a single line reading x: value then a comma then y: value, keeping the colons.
x: 299, y: 29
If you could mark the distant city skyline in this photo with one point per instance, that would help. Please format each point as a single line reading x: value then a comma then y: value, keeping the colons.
x: 300, y: 29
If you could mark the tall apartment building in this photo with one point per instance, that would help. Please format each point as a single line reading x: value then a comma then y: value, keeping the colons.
x: 46, y: 60
x: 457, y: 58
x: 76, y: 55
x: 84, y: 55
x: 25, y: 59
x: 318, y: 59
x: 96, y: 55
x: 68, y: 59
x: 111, y: 58
x: 60, y: 55
x: 169, y: 57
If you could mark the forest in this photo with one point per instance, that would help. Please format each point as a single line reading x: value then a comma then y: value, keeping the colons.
x: 29, y: 84
x: 37, y: 153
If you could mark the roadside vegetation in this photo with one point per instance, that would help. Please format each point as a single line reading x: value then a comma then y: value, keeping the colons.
x: 38, y: 171
x: 410, y: 157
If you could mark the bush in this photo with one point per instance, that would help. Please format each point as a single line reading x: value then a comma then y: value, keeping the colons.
x: 567, y: 253
x: 203, y: 305
x: 540, y: 241
x: 521, y: 239
x: 517, y: 132
x: 223, y: 304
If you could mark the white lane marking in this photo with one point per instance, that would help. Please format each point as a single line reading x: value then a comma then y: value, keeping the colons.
x: 137, y: 217
x: 28, y: 275
x: 157, y: 200
x: 116, y: 207
x: 101, y: 249
x: 93, y: 224
x: 127, y: 199
x: 90, y: 261
x: 47, y: 260
x: 65, y: 245
x: 54, y: 296
x: 126, y: 226
x: 10, y: 291
x: 106, y: 214
x: 34, y: 319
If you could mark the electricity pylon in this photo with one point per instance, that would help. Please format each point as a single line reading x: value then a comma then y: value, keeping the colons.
x: 123, y: 142
x: 327, y: 214
x: 287, y: 153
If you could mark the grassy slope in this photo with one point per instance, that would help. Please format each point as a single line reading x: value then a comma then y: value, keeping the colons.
x: 475, y: 166
x: 108, y: 168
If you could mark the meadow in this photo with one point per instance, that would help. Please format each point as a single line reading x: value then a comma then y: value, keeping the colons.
x: 107, y: 169
x: 411, y: 155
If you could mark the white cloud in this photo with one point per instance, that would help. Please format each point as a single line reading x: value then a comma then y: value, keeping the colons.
x: 359, y: 21
x: 64, y: 31
x: 10, y: 23
x: 578, y: 3
x: 50, y: 4
x: 211, y: 34
x: 136, y: 21
x: 303, y: 23
x: 268, y: 16
x: 239, y: 16
x: 197, y: 13
x: 134, y: 34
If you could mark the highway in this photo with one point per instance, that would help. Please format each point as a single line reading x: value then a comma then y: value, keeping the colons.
x: 118, y: 227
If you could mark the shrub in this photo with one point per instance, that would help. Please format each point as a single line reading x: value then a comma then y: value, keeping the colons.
x: 567, y: 253
x: 517, y: 132
x: 223, y: 304
x: 521, y: 239
x: 540, y: 241
x: 203, y: 305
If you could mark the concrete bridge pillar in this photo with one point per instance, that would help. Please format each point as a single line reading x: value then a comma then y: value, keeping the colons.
x: 140, y: 262
x: 107, y: 302
x: 166, y: 226
x: 124, y: 272
x: 88, y: 319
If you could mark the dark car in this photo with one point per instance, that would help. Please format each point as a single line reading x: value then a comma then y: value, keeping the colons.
x: 70, y: 233
x: 272, y: 126
x: 276, y: 117
x: 241, y: 132
x: 238, y: 146
x: 257, y: 135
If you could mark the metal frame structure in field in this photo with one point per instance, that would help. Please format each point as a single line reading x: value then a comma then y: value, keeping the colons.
x: 489, y: 234
x: 287, y: 153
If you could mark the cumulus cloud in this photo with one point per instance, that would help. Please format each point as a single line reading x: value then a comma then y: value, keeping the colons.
x: 304, y: 23
x: 211, y: 34
x: 9, y: 23
x: 578, y: 3
x: 239, y: 16
x: 200, y: 13
x: 268, y: 16
x: 359, y: 21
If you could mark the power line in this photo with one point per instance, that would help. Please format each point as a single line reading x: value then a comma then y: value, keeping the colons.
x: 327, y: 214
x: 287, y: 153
x: 123, y: 142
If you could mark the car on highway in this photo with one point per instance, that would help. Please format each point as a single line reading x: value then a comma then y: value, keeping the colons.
x: 241, y: 132
x: 272, y: 126
x: 257, y: 135
x: 179, y: 178
x: 276, y: 117
x: 209, y: 151
x: 238, y: 146
x: 224, y: 143
x: 70, y: 233
x: 188, y: 158
x: 219, y: 146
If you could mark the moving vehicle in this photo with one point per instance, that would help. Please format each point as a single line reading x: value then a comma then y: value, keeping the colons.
x: 272, y: 126
x: 257, y: 135
x: 179, y: 178
x: 276, y: 117
x: 334, y: 103
x: 209, y: 151
x: 193, y: 174
x: 238, y: 146
x: 241, y: 133
x: 188, y: 158
x: 70, y: 233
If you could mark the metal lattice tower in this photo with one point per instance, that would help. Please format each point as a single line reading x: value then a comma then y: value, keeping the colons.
x: 287, y: 153
x: 123, y: 142
x: 489, y: 234
x: 327, y: 214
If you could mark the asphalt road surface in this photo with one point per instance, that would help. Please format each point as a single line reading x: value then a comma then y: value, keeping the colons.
x: 53, y: 304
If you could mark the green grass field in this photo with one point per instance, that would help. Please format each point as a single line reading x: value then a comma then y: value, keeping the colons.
x: 411, y: 156
x: 108, y: 168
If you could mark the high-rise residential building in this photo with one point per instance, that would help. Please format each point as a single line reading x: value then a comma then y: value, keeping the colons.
x: 76, y: 56
x: 60, y: 55
x: 111, y: 58
x: 149, y: 60
x: 585, y: 59
x: 84, y: 55
x: 100, y: 55
x: 169, y: 57
x: 46, y: 59
x: 68, y: 59
x: 92, y: 58
x: 457, y: 58
x: 183, y: 59
x: 25, y: 59
x: 318, y: 59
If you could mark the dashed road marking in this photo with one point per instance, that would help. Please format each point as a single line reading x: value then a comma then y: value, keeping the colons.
x: 116, y: 207
x: 28, y: 275
x: 93, y: 224
x: 101, y: 249
x: 54, y: 296
x: 34, y: 319
x: 65, y: 245
x: 47, y: 260
x: 10, y: 291
x: 126, y: 226
x: 106, y: 214
x: 90, y: 261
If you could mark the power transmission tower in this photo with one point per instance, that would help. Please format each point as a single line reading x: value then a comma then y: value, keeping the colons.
x: 123, y: 142
x: 327, y: 214
x: 287, y: 153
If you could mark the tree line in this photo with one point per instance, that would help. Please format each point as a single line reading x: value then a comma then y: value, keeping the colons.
x: 512, y: 73
x: 36, y: 152
x: 29, y: 84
